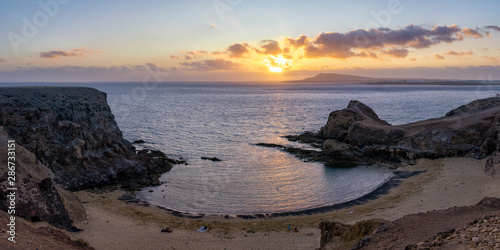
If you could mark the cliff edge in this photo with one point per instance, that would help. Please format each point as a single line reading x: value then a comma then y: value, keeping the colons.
x: 66, y: 138
x: 72, y: 131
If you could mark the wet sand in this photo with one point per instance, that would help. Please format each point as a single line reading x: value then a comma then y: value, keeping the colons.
x: 116, y: 224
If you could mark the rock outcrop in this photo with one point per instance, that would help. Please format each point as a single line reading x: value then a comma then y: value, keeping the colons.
x: 469, y: 130
x: 426, y: 230
x: 336, y: 235
x: 72, y: 131
x: 37, y: 197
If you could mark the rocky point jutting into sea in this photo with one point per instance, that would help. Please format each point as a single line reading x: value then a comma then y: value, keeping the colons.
x: 67, y: 139
x: 356, y: 135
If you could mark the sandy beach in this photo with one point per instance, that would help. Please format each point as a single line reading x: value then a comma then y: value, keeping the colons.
x: 115, y: 224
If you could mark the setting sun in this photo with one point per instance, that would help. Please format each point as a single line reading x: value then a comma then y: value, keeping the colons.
x: 277, y: 64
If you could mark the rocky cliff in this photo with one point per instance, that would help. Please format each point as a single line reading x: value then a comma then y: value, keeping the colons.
x: 66, y: 139
x: 72, y: 131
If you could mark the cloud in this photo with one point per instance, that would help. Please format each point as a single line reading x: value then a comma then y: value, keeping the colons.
x: 472, y: 33
x: 492, y: 59
x: 174, y: 57
x: 367, y: 54
x: 237, y: 50
x: 212, y: 25
x: 270, y: 47
x: 60, y: 53
x: 208, y: 65
x: 493, y: 27
x: 341, y: 45
x: 301, y: 41
x: 2, y: 60
x: 398, y: 53
x: 194, y: 54
x: 454, y: 53
x: 438, y: 57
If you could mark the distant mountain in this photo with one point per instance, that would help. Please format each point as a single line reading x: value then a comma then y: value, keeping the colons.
x: 332, y: 77
x: 352, y: 79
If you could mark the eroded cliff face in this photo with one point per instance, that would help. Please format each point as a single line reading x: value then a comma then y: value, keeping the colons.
x: 35, y: 195
x: 72, y: 131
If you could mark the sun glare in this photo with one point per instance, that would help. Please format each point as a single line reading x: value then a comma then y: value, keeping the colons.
x: 278, y: 64
x: 275, y: 69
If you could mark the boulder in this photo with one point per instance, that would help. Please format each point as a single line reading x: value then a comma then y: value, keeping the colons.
x: 359, y: 125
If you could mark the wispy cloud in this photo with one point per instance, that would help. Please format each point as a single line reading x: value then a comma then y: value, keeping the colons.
x: 60, y: 53
x: 2, y: 60
x: 209, y: 65
x: 193, y: 54
x: 438, y: 57
x: 398, y: 53
x: 492, y: 59
x: 455, y: 53
x: 493, y: 27
x: 472, y: 33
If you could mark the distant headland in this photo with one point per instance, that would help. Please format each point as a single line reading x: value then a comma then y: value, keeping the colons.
x: 334, y: 78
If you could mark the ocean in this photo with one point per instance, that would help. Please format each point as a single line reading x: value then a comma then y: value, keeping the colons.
x: 194, y: 120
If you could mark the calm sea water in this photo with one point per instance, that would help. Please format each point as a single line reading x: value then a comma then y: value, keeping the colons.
x: 226, y: 120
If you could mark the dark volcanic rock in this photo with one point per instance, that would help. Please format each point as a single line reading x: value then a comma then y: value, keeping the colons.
x: 471, y: 129
x: 474, y: 107
x: 359, y: 125
x: 73, y: 132
x: 37, y: 197
x: 210, y: 158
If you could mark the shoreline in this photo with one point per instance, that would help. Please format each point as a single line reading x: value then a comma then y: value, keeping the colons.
x: 383, y: 189
x: 447, y: 182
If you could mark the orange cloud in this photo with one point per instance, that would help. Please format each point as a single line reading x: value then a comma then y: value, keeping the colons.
x: 269, y: 47
x: 454, y: 53
x: 492, y: 59
x: 238, y: 50
x: 471, y: 33
x: 398, y: 53
x: 438, y: 57
x: 301, y: 41
x: 194, y: 53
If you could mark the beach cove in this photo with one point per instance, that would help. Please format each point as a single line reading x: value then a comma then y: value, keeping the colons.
x: 447, y: 183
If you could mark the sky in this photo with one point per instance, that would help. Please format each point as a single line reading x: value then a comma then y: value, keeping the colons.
x: 243, y: 40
